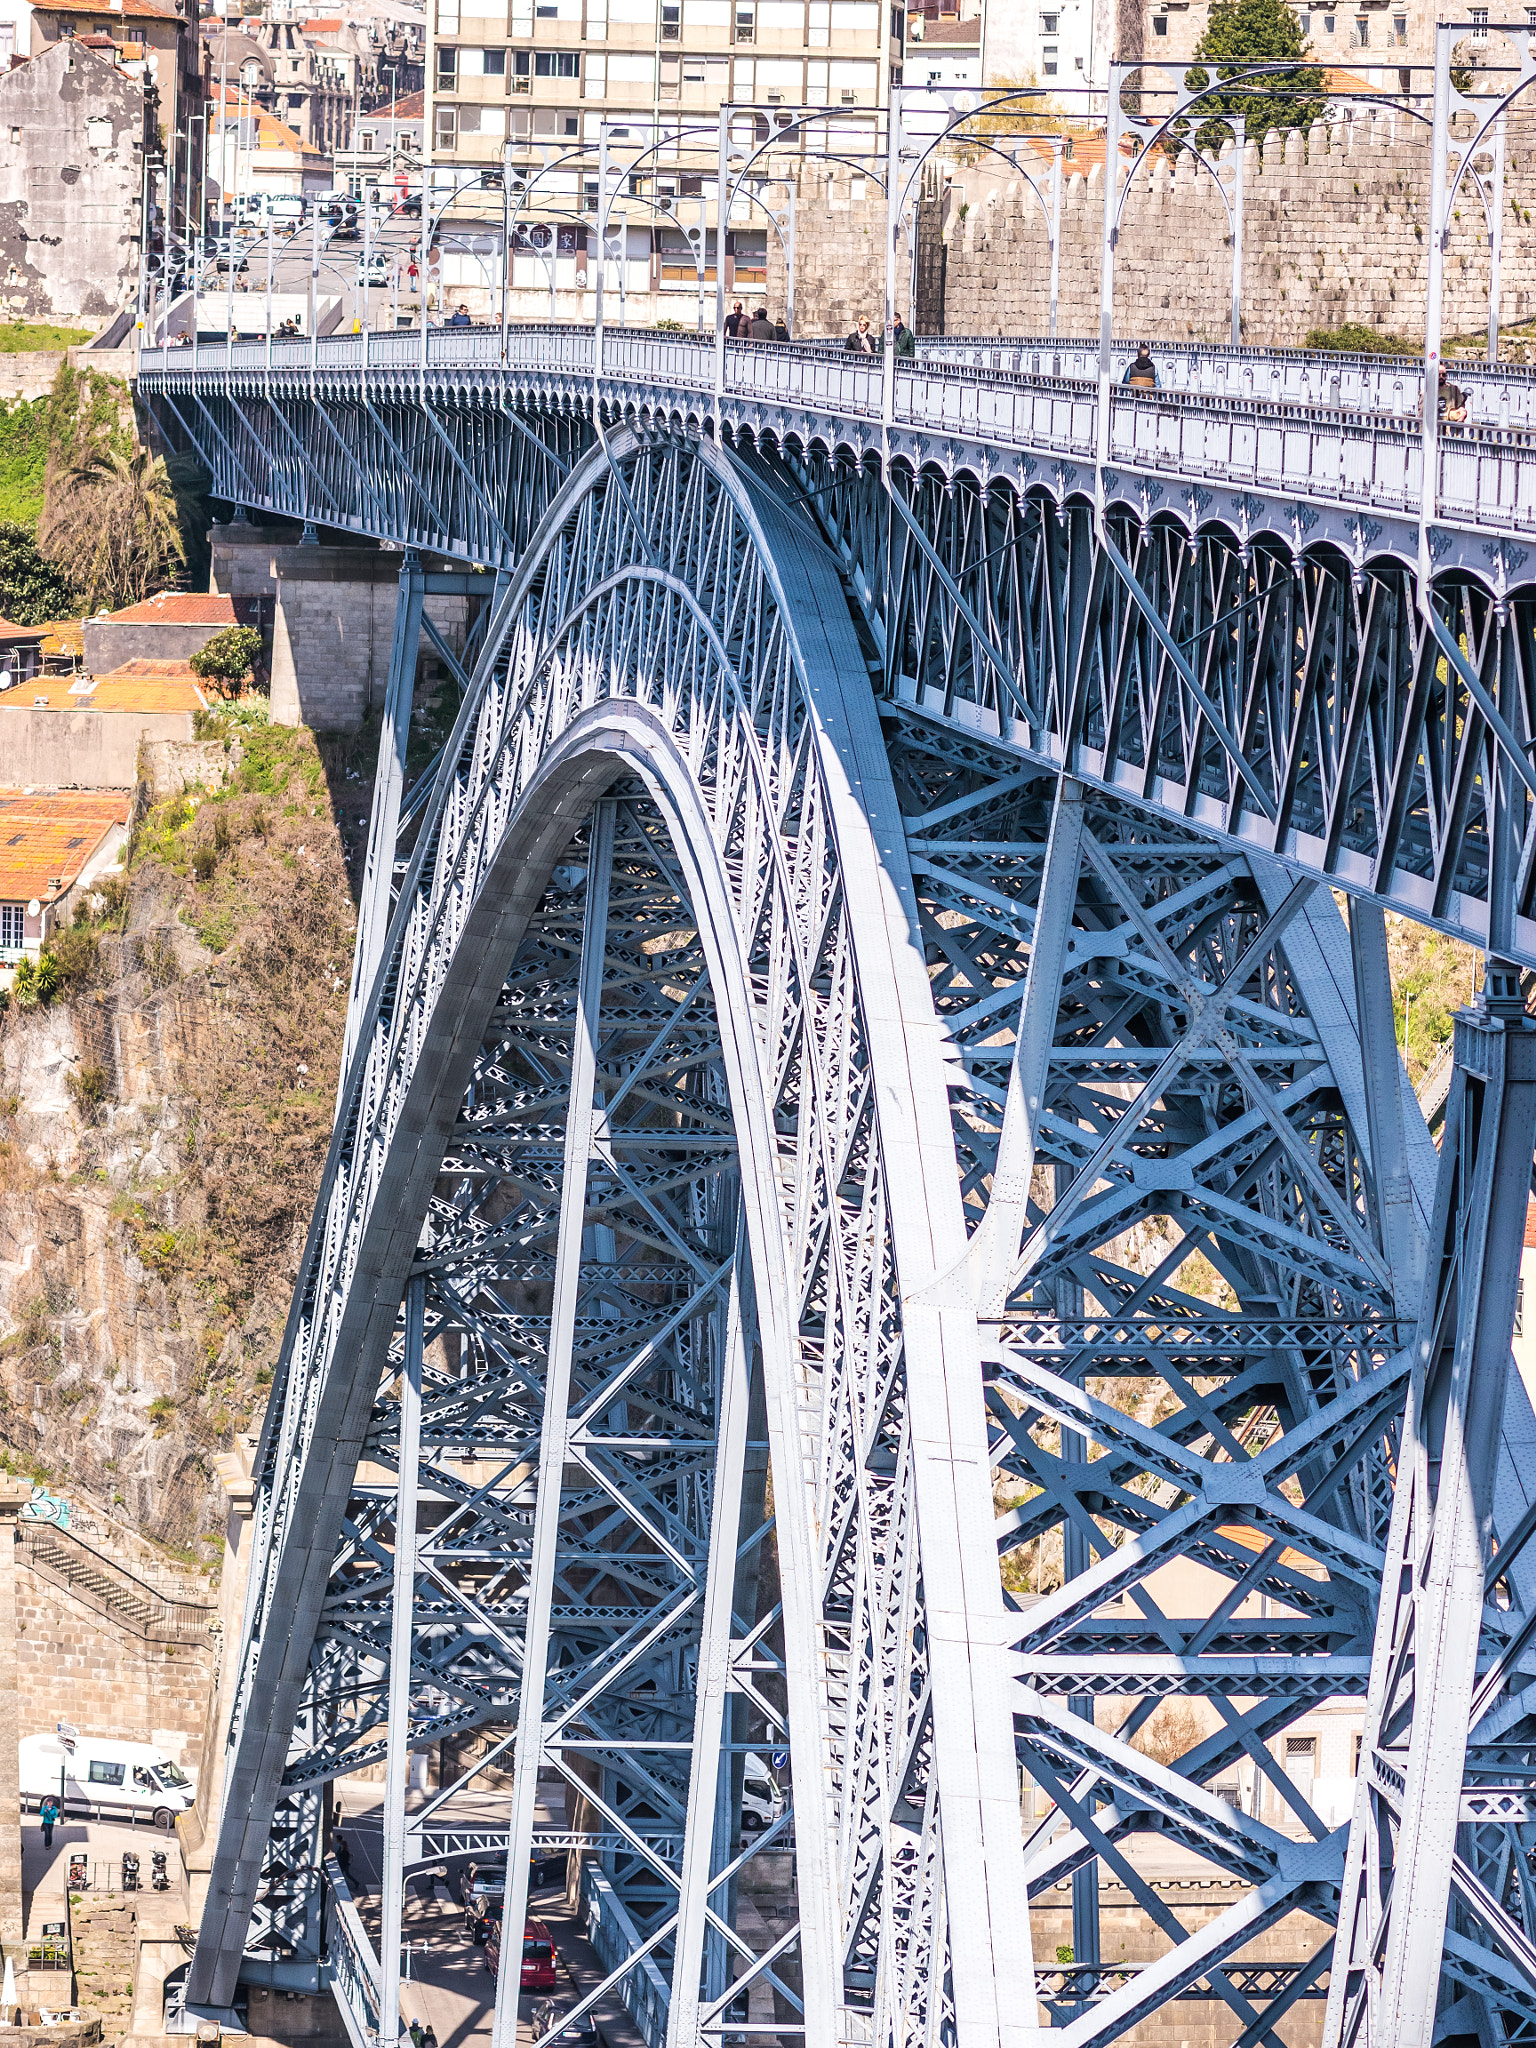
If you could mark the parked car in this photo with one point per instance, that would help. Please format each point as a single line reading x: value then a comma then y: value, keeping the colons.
x: 482, y: 1901
x: 471, y: 1871
x: 376, y: 269
x: 538, y: 1955
x: 579, y: 2033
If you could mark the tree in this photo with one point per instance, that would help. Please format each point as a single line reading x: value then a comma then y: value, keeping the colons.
x: 113, y: 526
x: 31, y: 590
x: 228, y: 658
x: 1238, y: 35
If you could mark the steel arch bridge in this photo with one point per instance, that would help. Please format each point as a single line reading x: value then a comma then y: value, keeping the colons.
x: 867, y: 1090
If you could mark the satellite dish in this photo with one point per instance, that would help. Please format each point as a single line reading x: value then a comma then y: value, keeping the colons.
x: 34, y: 908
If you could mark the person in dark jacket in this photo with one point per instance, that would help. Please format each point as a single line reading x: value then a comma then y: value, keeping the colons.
x: 906, y: 345
x: 861, y: 341
x: 1142, y: 373
x: 780, y: 331
x: 735, y: 320
x: 761, y: 328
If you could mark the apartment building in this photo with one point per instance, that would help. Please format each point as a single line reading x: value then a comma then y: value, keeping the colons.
x: 1375, y: 43
x: 547, y: 75
x: 1044, y: 42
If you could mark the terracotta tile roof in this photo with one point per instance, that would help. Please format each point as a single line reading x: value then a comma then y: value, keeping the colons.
x: 1530, y: 1225
x: 183, y: 608
x: 47, y: 836
x: 63, y: 636
x: 143, y: 687
x: 143, y: 10
x: 270, y: 132
x: 323, y: 27
x: 410, y: 108
x: 1085, y: 155
x: 11, y: 631
x: 963, y: 32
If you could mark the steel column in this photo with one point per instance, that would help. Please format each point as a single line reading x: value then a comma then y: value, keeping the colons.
x: 401, y: 1647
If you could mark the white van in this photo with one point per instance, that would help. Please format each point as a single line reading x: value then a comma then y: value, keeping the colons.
x: 762, y: 1803
x: 132, y: 1778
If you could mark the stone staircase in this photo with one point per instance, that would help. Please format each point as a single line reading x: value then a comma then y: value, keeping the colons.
x: 110, y: 1588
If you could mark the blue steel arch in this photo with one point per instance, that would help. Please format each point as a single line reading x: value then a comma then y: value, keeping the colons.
x: 1283, y: 1142
x: 728, y: 700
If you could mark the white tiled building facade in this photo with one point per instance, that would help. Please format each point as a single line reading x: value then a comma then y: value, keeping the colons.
x: 545, y: 74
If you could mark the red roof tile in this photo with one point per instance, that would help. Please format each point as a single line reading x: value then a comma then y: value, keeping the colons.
x: 144, y: 688
x: 49, y: 835
x: 9, y: 631
x: 184, y: 608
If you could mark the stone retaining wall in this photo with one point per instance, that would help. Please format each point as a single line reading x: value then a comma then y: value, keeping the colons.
x: 108, y: 1680
x: 1334, y: 226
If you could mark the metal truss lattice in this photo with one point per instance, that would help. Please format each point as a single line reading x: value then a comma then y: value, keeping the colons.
x: 1023, y: 1166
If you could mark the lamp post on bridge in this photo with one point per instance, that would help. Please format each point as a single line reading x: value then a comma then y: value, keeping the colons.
x: 782, y: 123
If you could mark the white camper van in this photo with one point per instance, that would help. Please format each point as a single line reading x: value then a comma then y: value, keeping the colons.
x: 132, y: 1778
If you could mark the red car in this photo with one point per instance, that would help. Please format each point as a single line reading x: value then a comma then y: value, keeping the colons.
x: 538, y: 1955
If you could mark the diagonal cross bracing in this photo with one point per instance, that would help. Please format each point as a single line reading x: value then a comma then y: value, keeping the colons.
x: 982, y: 1128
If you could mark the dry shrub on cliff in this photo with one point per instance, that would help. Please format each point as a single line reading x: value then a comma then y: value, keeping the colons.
x: 255, y: 871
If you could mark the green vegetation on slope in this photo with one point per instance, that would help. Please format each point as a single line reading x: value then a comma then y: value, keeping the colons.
x: 23, y: 461
x: 19, y: 337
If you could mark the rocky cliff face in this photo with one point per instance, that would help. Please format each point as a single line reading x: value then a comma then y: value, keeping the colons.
x: 163, y: 1124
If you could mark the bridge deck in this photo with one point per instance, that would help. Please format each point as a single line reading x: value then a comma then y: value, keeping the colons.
x: 1361, y: 455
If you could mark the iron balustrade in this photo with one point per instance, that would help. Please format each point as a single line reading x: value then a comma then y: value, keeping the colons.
x: 1497, y: 394
x: 1334, y: 454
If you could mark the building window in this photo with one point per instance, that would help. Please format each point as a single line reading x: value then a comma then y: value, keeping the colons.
x: 1479, y: 24
x: 557, y: 64
x: 1049, y: 24
x: 1305, y: 21
x: 447, y: 70
x: 447, y: 20
x: 12, y: 926
x: 1159, y: 24
x: 495, y: 62
x: 1361, y: 39
x: 746, y: 21
x: 671, y: 21
x: 1328, y: 23
x: 447, y: 127
x: 1520, y: 1306
x: 1048, y: 60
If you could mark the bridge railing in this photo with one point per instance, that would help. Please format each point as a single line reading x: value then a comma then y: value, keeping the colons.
x: 1349, y: 456
x: 1498, y: 395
